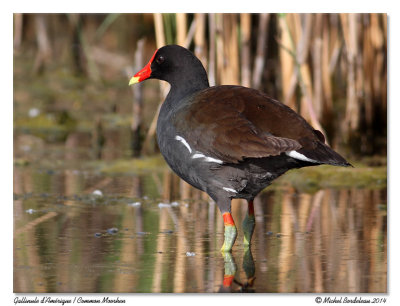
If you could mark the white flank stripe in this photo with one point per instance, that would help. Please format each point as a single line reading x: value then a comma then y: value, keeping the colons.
x: 207, y: 158
x: 214, y: 160
x: 229, y: 189
x: 300, y: 156
x: 198, y: 155
x: 181, y: 139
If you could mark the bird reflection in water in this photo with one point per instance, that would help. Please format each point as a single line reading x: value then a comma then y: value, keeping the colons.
x: 230, y: 270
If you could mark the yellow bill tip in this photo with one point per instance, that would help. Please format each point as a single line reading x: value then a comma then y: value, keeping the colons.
x: 133, y: 80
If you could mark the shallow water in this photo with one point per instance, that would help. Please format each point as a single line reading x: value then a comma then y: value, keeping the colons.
x: 77, y: 229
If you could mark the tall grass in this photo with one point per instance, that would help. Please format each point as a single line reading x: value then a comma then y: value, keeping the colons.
x: 331, y: 68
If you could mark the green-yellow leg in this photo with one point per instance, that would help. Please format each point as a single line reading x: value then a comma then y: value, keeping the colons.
x: 249, y: 223
x: 229, y: 234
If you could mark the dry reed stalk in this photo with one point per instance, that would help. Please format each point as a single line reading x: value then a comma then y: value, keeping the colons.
x: 160, y: 41
x: 137, y: 90
x: 333, y: 23
x: 335, y: 47
x: 349, y: 24
x: 261, y: 50
x: 368, y: 59
x: 190, y: 34
x: 302, y: 67
x: 384, y: 25
x: 373, y: 74
x: 377, y: 37
x: 167, y: 185
x: 325, y: 73
x: 317, y: 77
x: 288, y: 77
x: 295, y: 26
x: 219, y: 43
x: 199, y: 38
x: 379, y: 44
x: 137, y: 103
x: 245, y: 35
x: 236, y: 206
x: 317, y: 66
x: 44, y: 51
x: 151, y: 132
x: 81, y: 39
x: 379, y: 78
x: 333, y: 61
x: 211, y: 52
x: 181, y: 26
x: 168, y: 23
x: 360, y: 83
x: 230, y: 59
x: 302, y: 50
x: 292, y: 27
x: 383, y: 51
x: 175, y: 186
x: 184, y: 188
x: 383, y: 93
x: 159, y: 29
x: 18, y: 28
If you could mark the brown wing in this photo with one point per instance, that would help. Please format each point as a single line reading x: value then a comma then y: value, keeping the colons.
x: 244, y: 123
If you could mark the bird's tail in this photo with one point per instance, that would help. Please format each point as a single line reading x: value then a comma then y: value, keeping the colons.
x: 325, y: 155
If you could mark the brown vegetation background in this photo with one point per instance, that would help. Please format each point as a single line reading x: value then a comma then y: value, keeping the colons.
x: 331, y: 68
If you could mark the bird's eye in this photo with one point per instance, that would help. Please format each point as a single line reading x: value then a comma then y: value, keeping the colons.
x: 160, y: 59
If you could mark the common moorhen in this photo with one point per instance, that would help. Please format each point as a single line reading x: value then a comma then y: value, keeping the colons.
x: 229, y: 141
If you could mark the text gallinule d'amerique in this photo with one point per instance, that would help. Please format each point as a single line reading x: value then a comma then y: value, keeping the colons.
x: 229, y: 141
